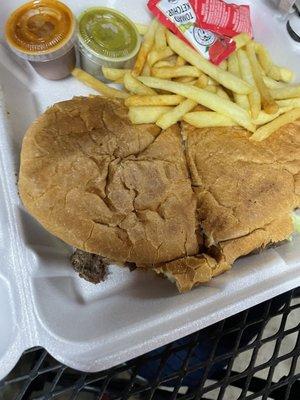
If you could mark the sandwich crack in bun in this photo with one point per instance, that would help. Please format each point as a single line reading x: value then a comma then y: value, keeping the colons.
x: 136, y: 194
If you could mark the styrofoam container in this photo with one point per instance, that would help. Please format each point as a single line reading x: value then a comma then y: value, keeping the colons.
x: 44, y: 302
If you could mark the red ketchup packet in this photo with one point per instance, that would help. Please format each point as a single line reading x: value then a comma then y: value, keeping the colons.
x: 207, y: 25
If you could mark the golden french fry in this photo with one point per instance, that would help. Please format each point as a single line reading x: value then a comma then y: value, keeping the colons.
x: 157, y: 100
x: 221, y: 92
x: 97, y: 85
x: 207, y: 119
x: 223, y: 65
x: 185, y: 79
x: 120, y: 81
x: 175, y: 72
x: 147, y: 115
x: 163, y: 63
x: 211, y: 81
x: 263, y: 57
x: 262, y: 71
x: 202, y: 81
x: 194, y: 58
x: 272, y: 84
x: 156, y: 55
x: 171, y: 117
x: 246, y: 73
x: 241, y: 39
x: 160, y: 40
x: 234, y: 68
x: 114, y: 74
x: 180, y: 62
x: 210, y: 88
x: 286, y: 92
x: 172, y: 59
x: 202, y: 96
x: 266, y: 130
x: 145, y: 48
x: 133, y: 85
x: 263, y: 118
x: 146, y: 70
x: 294, y: 103
x: 286, y: 75
x: 268, y: 103
x: 141, y: 28
x: 273, y: 71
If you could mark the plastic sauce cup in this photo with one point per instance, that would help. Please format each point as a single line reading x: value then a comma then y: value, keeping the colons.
x: 107, y: 38
x: 44, y: 33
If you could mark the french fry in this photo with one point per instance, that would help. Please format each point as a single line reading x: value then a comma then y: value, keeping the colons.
x: 163, y: 63
x: 285, y: 74
x: 133, y: 85
x: 220, y: 92
x: 171, y: 117
x: 180, y: 62
x: 141, y: 28
x: 207, y: 119
x: 156, y: 55
x: 202, y: 81
x: 175, y: 72
x: 157, y: 100
x: 246, y: 72
x: 185, y: 79
x: 160, y: 40
x: 145, y: 48
x: 202, y: 96
x: 199, y: 108
x: 226, y: 79
x: 172, y: 59
x: 268, y: 103
x: 286, y: 92
x: 273, y: 71
x: 223, y: 65
x: 294, y: 103
x: 210, y: 88
x: 146, y: 70
x: 262, y: 71
x: 114, y: 74
x: 241, y: 40
x: 147, y: 115
x: 234, y: 68
x: 267, y: 130
x: 120, y: 81
x: 263, y: 118
x: 97, y: 85
x: 211, y: 81
x: 272, y: 84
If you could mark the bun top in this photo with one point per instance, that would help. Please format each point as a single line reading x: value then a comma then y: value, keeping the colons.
x: 107, y: 187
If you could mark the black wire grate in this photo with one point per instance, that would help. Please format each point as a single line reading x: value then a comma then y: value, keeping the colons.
x: 252, y: 355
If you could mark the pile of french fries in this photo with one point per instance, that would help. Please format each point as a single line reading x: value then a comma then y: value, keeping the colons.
x: 171, y: 82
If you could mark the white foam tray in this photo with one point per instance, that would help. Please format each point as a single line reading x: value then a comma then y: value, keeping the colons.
x: 43, y: 302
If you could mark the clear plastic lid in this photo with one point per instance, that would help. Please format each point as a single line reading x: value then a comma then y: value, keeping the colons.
x: 41, y: 30
x: 107, y: 34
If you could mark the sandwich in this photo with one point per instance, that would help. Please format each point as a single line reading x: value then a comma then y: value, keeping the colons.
x: 182, y: 202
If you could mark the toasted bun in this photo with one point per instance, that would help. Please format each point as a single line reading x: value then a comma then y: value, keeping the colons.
x: 106, y: 186
x: 245, y: 190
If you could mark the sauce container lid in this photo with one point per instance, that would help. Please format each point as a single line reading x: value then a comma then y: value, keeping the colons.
x: 106, y: 34
x: 41, y: 30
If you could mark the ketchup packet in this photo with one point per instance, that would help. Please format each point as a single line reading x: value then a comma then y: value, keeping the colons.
x: 207, y: 25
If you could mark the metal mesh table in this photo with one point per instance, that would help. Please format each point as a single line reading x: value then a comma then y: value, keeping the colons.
x: 252, y: 355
